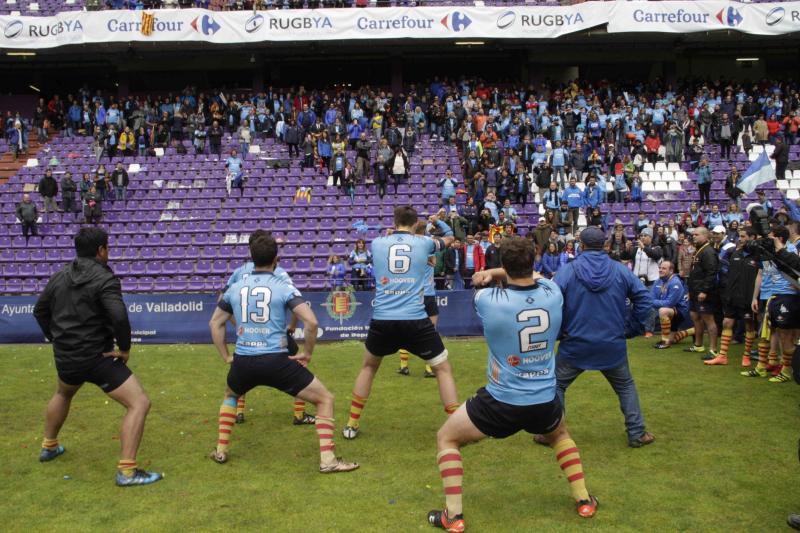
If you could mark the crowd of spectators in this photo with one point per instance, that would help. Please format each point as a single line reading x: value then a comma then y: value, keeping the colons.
x: 574, y: 147
x: 246, y: 5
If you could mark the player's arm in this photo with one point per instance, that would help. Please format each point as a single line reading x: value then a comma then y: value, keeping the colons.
x: 111, y: 300
x: 302, y: 311
x: 42, y: 313
x: 756, y: 291
x: 217, y: 327
x: 485, y: 277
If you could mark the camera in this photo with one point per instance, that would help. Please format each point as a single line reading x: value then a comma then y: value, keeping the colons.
x: 759, y: 219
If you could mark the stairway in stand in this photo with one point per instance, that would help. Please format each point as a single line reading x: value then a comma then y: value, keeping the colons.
x: 9, y: 167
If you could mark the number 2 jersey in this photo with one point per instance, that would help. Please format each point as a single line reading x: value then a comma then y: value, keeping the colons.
x: 260, y: 303
x: 400, y: 263
x: 521, y: 325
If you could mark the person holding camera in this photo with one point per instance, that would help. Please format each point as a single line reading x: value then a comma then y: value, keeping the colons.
x: 703, y: 295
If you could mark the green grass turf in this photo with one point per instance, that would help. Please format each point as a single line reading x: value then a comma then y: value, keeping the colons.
x: 725, y: 458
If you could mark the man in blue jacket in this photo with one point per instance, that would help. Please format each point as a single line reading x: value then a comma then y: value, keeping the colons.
x: 593, y: 330
x: 672, y: 305
x: 592, y: 195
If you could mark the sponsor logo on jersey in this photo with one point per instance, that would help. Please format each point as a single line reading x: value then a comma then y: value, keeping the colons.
x: 513, y: 360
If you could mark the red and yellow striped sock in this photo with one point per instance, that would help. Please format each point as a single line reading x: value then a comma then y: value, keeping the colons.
x: 227, y: 417
x: 356, y: 406
x: 773, y: 358
x: 299, y: 409
x: 240, y: 405
x: 403, y: 358
x: 127, y: 466
x: 49, y: 444
x: 680, y: 335
x: 666, y: 325
x: 451, y: 408
x: 325, y: 428
x: 452, y: 472
x: 749, y: 336
x: 725, y: 341
x: 763, y: 350
x: 570, y: 462
x: 787, y: 363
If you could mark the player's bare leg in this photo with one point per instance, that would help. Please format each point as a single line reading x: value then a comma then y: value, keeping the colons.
x: 428, y: 370
x: 55, y: 416
x: 131, y: 395
x: 317, y: 394
x: 361, y: 390
x: 447, y: 385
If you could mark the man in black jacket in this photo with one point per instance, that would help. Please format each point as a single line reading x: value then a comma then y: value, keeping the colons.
x: 781, y: 157
x: 703, y: 297
x: 492, y: 255
x: 48, y: 188
x: 82, y: 312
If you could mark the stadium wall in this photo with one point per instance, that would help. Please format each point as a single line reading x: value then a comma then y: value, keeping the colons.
x: 183, y: 318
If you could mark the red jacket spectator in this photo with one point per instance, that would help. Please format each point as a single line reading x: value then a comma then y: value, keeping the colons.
x: 652, y: 143
x: 773, y: 126
x: 478, y: 257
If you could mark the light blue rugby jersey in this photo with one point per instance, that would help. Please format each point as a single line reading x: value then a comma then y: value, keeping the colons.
x: 261, y: 304
x: 521, y: 325
x: 402, y: 274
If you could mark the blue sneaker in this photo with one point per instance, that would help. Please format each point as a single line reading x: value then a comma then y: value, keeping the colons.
x: 48, y: 455
x: 139, y: 477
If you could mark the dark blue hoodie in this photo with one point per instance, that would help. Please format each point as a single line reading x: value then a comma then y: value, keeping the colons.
x: 596, y: 312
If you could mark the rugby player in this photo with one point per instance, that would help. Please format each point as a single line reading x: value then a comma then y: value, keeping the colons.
x: 399, y: 320
x: 671, y: 304
x: 260, y: 304
x: 81, y: 312
x: 520, y: 324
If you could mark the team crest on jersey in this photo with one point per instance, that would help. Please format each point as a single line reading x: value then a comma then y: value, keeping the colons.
x: 341, y: 305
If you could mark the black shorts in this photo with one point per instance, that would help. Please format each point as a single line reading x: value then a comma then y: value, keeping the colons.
x: 500, y: 420
x: 276, y: 371
x: 419, y: 337
x: 736, y: 312
x: 676, y: 323
x: 108, y: 373
x: 784, y: 311
x: 708, y: 307
x: 431, y: 307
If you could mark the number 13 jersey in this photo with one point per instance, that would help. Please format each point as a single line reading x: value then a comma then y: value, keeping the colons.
x: 260, y: 303
x: 521, y: 325
x: 400, y: 264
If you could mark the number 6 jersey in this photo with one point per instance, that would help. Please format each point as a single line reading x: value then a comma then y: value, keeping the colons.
x: 260, y: 303
x: 400, y: 263
x: 521, y: 325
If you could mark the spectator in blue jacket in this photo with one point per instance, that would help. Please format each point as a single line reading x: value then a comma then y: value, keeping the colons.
x: 574, y: 197
x: 552, y: 198
x: 448, y: 184
x: 670, y: 302
x: 595, y: 326
x: 550, y: 261
x: 558, y: 160
x: 703, y: 173
x: 592, y: 195
x: 792, y: 207
x: 336, y: 272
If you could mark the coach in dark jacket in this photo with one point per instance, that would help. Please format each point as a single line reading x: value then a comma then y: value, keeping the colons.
x: 703, y: 294
x: 82, y: 312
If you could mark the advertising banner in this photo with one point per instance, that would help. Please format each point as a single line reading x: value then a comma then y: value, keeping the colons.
x: 232, y: 27
x: 183, y: 318
x: 704, y: 16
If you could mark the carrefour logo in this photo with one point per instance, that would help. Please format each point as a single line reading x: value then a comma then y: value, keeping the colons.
x: 13, y: 29
x: 730, y: 16
x: 400, y: 23
x: 456, y: 21
x: 775, y: 16
x: 254, y: 23
x: 207, y: 25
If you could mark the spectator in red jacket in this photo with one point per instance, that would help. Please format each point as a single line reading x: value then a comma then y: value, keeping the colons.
x: 652, y: 143
x: 474, y: 260
x: 774, y: 127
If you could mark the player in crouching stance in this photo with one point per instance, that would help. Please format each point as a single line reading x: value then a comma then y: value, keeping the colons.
x: 399, y: 320
x: 520, y: 324
x: 259, y: 304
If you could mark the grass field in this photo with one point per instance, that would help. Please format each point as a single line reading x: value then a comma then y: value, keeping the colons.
x: 725, y: 458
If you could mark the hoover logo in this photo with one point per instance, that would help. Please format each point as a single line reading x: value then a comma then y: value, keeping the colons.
x: 341, y: 305
x: 205, y: 25
x: 730, y: 17
x: 254, y: 23
x: 775, y: 16
x: 456, y: 21
x: 13, y: 29
x: 506, y: 19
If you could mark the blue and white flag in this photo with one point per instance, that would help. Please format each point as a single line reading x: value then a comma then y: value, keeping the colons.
x: 760, y: 172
